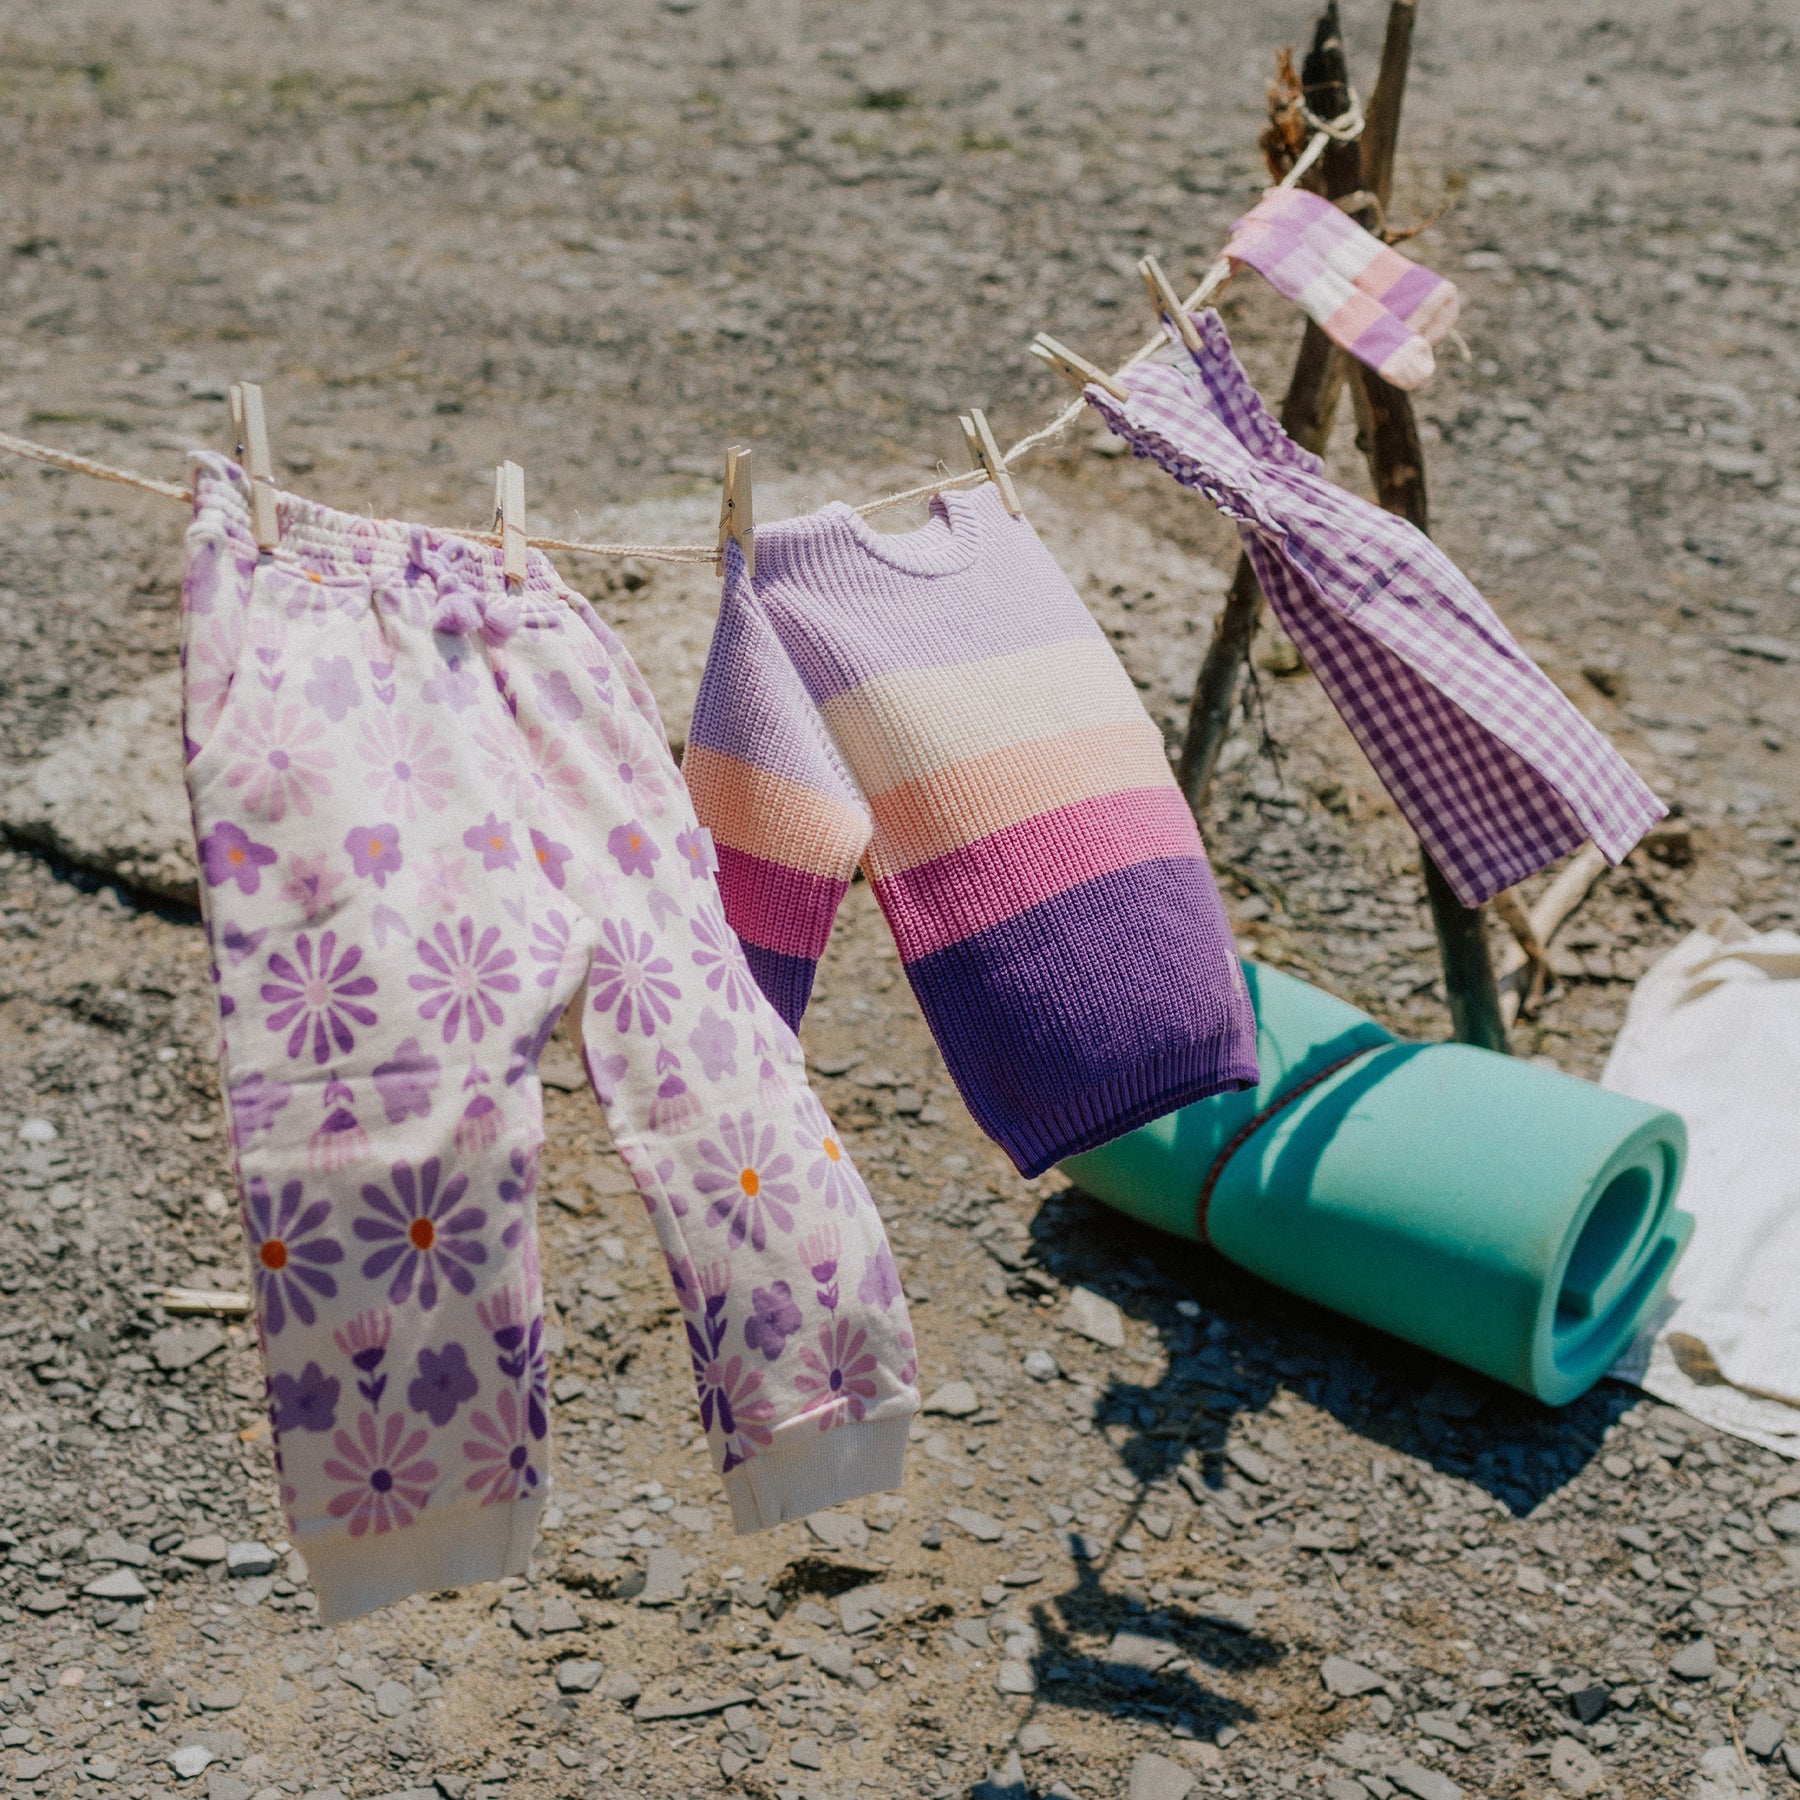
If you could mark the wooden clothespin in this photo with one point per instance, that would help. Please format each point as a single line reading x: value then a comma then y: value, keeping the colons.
x: 250, y: 431
x: 986, y: 454
x: 509, y: 521
x: 1074, y: 369
x: 737, y: 516
x: 1168, y: 303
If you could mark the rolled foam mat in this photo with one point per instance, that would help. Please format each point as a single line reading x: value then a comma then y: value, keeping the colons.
x: 1505, y: 1215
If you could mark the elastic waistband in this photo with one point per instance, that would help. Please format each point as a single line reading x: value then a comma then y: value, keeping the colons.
x: 433, y: 578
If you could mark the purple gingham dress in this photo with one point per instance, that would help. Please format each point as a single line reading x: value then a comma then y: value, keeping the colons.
x: 1491, y: 764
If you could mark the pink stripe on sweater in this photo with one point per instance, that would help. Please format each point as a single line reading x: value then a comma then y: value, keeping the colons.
x: 777, y: 908
x: 941, y: 903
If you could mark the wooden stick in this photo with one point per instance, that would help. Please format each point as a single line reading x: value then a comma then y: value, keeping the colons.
x: 250, y: 427
x: 1307, y: 412
x: 1573, y: 883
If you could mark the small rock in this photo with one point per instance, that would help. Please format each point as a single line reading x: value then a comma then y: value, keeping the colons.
x: 1423, y: 1783
x: 834, y: 1657
x: 931, y: 1538
x: 117, y: 1584
x: 37, y: 1131
x: 1574, y: 1767
x: 624, y: 1688
x: 803, y: 1753
x: 222, y: 1699
x: 1040, y: 1365
x: 665, y: 1578
x: 1347, y: 1679
x: 862, y: 1609
x: 955, y: 1400
x: 190, y: 1760
x: 249, y: 1559
x: 1784, y: 1518
x: 1249, y: 1464
x: 1341, y: 1787
x: 1033, y: 1738
x: 112, y: 1547
x: 221, y: 1785
x: 583, y: 1678
x: 1697, y: 1661
x: 840, y: 1531
x: 558, y: 1614
x: 1155, y: 1777
x: 1136, y: 1650
x: 1091, y: 1315
x: 393, y: 1699
x: 46, y: 1600
x: 977, y: 1524
x: 202, y: 1550
x: 1588, y: 1703
x: 1763, y: 1735
x: 178, y: 1347
x: 1015, y: 1678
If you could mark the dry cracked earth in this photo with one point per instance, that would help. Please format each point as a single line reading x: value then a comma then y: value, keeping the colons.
x: 1163, y: 1531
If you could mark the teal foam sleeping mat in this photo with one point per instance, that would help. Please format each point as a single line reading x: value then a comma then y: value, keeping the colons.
x: 1507, y: 1216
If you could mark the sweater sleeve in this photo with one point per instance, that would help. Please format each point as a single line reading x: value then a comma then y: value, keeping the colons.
x: 788, y: 822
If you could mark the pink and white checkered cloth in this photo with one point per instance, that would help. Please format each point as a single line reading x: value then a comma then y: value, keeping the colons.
x: 1493, y: 767
x: 1382, y: 307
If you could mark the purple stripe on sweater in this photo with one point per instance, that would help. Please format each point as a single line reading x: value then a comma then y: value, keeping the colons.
x: 776, y: 907
x: 786, y: 981
x: 827, y: 581
x: 1411, y: 291
x: 1093, y: 1013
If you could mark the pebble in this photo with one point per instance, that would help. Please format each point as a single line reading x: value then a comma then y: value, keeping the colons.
x: 683, y: 1707
x: 110, y: 1546
x: 1155, y: 1777
x: 190, y: 1760
x: 202, y: 1550
x: 179, y: 1347
x: 579, y: 1678
x: 1784, y: 1518
x: 558, y: 1614
x: 1015, y: 1678
x: 222, y: 1699
x: 46, y: 1600
x: 119, y: 1584
x: 393, y: 1699
x: 1763, y: 1735
x: 978, y: 1525
x: 623, y: 1687
x: 955, y: 1400
x: 1347, y: 1679
x: 804, y: 1753
x: 665, y: 1578
x: 834, y: 1657
x: 1092, y: 1315
x: 839, y: 1530
x: 1574, y: 1767
x: 1698, y: 1661
x: 37, y: 1131
x: 249, y: 1559
x: 1034, y: 1737
x: 1040, y: 1365
x: 1422, y: 1783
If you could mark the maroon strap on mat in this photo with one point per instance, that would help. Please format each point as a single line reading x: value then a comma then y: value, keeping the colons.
x: 1251, y: 1127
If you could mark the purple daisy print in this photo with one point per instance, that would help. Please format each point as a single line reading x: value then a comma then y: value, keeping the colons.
x: 463, y: 976
x: 744, y: 1175
x: 500, y: 1451
x: 304, y: 1402
x: 830, y: 1174
x: 288, y: 1253
x: 421, y: 1233
x: 406, y: 768
x: 840, y: 1377
x: 632, y: 849
x: 281, y: 764
x: 630, y: 980
x: 492, y: 841
x: 385, y: 1477
x: 374, y: 852
x: 318, y: 993
x: 720, y: 955
x: 733, y: 1405
x: 444, y: 1382
x: 229, y: 853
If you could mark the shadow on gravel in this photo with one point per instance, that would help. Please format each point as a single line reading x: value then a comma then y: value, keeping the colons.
x: 1252, y: 1340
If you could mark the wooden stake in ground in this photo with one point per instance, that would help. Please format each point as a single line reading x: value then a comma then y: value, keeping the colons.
x: 1388, y: 436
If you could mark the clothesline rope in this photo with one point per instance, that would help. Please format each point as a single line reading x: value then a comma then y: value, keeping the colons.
x: 1348, y: 125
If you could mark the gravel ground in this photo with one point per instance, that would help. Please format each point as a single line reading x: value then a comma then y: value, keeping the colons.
x: 1163, y: 1529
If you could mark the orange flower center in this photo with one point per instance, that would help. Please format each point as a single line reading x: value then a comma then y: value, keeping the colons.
x: 375, y: 846
x: 749, y: 1181
x: 273, y: 1254
x: 235, y: 854
x: 832, y: 1148
x: 634, y: 841
x: 422, y: 1233
x: 498, y: 843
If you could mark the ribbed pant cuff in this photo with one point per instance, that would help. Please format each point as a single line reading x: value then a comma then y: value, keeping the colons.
x: 451, y: 1549
x: 808, y: 1470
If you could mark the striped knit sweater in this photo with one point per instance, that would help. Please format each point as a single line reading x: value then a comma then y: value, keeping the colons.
x: 940, y: 707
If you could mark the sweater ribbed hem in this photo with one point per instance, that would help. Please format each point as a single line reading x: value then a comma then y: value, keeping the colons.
x: 1112, y: 1108
x: 454, y: 1548
x: 807, y: 1470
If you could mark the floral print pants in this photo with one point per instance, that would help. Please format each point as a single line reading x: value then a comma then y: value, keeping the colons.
x: 429, y: 810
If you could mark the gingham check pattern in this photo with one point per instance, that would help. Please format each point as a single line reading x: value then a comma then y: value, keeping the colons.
x: 1493, y: 767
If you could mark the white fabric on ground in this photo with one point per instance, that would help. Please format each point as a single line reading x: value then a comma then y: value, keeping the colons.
x: 1713, y: 1033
